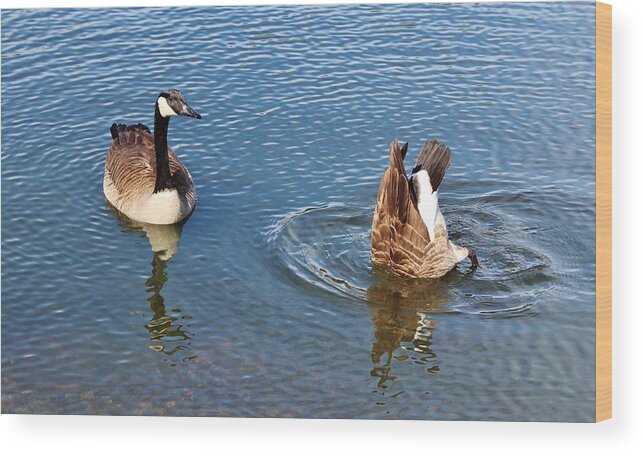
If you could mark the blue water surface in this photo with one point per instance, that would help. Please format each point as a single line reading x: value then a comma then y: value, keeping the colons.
x: 268, y: 306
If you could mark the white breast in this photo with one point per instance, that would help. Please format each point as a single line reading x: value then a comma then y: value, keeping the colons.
x: 162, y: 207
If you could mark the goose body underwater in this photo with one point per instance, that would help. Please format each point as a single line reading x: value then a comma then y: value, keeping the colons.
x: 144, y: 179
x: 409, y: 234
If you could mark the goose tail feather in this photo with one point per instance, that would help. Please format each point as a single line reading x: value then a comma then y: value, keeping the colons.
x: 435, y: 158
x: 117, y: 129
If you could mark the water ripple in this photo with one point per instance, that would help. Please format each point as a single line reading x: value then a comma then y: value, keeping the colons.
x: 328, y: 248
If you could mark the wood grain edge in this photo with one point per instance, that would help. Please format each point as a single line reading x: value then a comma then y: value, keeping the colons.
x: 603, y: 211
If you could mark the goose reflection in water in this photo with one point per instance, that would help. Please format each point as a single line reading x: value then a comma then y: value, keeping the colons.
x: 164, y: 329
x: 401, y: 314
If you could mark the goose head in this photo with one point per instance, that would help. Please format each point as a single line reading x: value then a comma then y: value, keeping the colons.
x: 171, y: 102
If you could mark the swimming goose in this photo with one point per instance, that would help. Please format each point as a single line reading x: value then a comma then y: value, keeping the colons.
x: 409, y: 235
x: 144, y: 179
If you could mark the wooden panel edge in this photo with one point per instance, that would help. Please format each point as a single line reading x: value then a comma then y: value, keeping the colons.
x: 603, y: 211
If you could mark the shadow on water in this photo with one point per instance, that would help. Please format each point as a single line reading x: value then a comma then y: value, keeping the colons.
x: 166, y: 328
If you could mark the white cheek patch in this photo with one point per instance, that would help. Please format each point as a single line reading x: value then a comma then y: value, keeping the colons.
x: 164, y: 107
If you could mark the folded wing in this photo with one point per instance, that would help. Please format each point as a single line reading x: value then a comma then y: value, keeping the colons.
x: 399, y: 238
x: 131, y: 164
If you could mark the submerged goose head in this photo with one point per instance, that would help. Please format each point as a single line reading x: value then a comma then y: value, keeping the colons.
x: 171, y: 102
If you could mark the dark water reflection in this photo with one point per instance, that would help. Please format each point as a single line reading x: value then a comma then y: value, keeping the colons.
x: 168, y: 329
x: 401, y: 315
x: 164, y: 328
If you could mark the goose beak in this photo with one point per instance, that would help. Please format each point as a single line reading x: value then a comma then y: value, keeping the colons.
x: 190, y: 112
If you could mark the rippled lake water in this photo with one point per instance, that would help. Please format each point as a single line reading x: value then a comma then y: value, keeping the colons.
x: 268, y: 306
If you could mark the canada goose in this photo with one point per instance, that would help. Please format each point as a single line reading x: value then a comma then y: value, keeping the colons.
x: 144, y: 179
x: 409, y: 235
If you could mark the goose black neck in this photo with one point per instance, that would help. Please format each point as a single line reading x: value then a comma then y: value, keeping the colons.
x: 163, y: 175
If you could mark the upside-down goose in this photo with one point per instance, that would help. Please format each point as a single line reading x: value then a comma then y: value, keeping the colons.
x: 409, y: 235
x: 144, y: 179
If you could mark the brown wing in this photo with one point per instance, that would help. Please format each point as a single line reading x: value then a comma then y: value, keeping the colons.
x: 182, y: 180
x: 399, y: 238
x: 131, y: 164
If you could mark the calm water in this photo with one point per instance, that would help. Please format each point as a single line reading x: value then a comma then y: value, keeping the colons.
x: 267, y: 306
